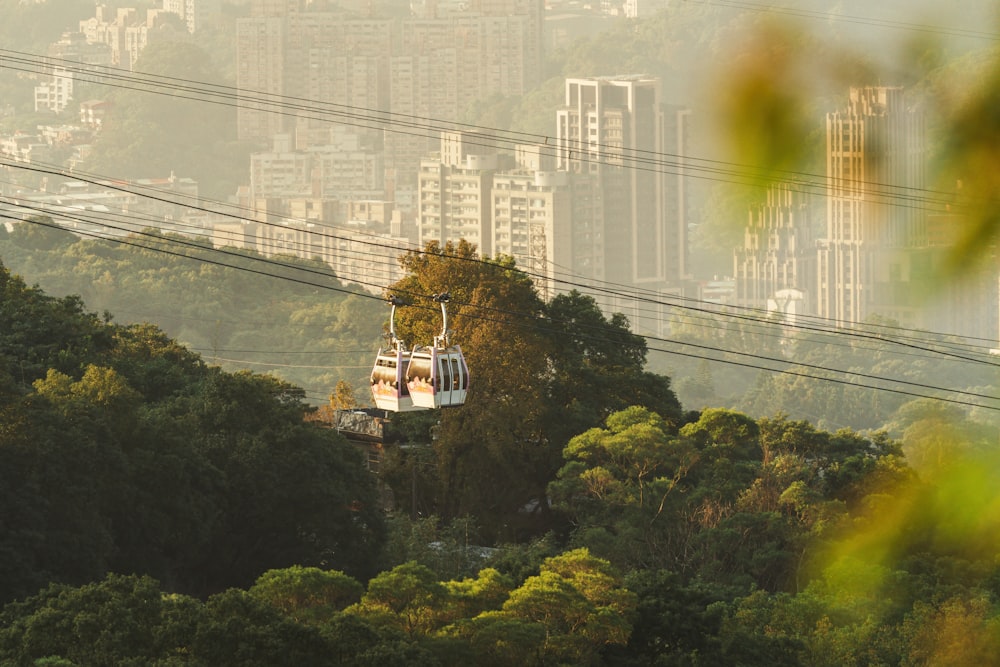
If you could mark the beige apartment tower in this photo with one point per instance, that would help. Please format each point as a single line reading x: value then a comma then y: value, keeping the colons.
x: 875, y: 157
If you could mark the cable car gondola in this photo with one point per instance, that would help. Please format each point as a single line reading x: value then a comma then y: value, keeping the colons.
x: 389, y: 374
x: 437, y: 376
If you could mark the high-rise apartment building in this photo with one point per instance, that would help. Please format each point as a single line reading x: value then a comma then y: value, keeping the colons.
x: 875, y: 161
x: 260, y: 63
x: 532, y: 221
x: 613, y: 129
x: 336, y: 67
x: 385, y: 76
x: 881, y: 255
x: 334, y: 165
x: 517, y: 206
x: 453, y: 194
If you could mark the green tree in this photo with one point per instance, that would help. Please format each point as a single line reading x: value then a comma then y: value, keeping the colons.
x: 496, y: 639
x: 58, y: 478
x: 206, y: 306
x: 298, y: 484
x: 407, y: 598
x: 622, y: 487
x: 676, y: 623
x: 121, y: 620
x: 956, y: 632
x: 490, y: 463
x: 240, y: 629
x: 581, y: 603
x: 307, y: 594
x: 538, y: 381
x: 40, y: 332
x: 598, y: 367
x: 472, y: 596
x: 730, y: 453
x: 121, y: 451
x: 41, y: 233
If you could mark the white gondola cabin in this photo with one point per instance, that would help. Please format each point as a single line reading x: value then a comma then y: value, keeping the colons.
x: 437, y: 376
x: 389, y: 388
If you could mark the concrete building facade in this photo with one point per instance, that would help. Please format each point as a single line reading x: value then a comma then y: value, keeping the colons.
x: 611, y: 129
x: 394, y: 72
x: 779, y: 250
x: 453, y: 194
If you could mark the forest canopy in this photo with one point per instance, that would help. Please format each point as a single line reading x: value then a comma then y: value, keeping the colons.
x: 204, y: 512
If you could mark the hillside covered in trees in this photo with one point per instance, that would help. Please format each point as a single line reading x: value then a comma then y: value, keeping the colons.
x: 123, y: 451
x: 158, y: 510
x: 294, y: 320
x: 288, y: 317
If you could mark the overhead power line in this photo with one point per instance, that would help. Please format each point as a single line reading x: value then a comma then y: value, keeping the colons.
x: 598, y: 155
x: 430, y: 128
x: 533, y: 321
x: 161, y: 85
x: 653, y: 299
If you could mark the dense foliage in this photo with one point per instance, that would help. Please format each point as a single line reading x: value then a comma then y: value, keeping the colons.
x: 238, y: 317
x: 155, y: 510
x: 122, y: 451
x: 546, y: 370
x: 159, y: 511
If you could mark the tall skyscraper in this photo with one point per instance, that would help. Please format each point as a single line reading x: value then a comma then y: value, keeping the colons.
x: 611, y: 128
x: 875, y: 160
x: 260, y: 63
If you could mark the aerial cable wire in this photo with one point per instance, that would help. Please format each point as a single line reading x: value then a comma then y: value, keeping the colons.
x: 712, y: 312
x: 595, y: 153
x: 731, y: 362
x: 96, y: 216
x: 810, y: 376
x: 687, y: 158
x: 489, y: 136
x: 776, y: 370
x: 660, y: 300
x: 165, y: 241
x: 546, y: 277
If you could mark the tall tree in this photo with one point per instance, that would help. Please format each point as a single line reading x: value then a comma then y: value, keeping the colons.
x: 581, y: 602
x: 541, y: 373
x: 597, y: 368
x: 624, y: 487
x: 490, y: 462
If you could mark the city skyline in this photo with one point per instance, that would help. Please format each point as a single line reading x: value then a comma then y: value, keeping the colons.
x: 628, y: 225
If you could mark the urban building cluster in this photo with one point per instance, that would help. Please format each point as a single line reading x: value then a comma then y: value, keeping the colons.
x: 378, y: 162
x: 867, y: 243
x: 579, y: 210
